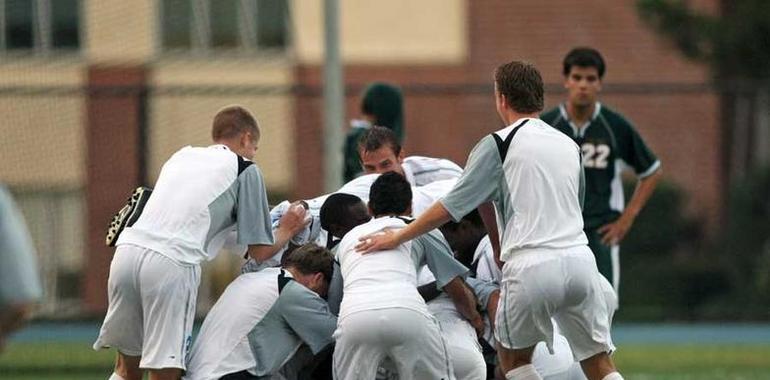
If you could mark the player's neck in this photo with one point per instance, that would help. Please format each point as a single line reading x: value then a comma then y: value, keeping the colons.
x: 580, y: 114
x: 511, y: 116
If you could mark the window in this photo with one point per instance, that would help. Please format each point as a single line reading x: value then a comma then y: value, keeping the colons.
x: 39, y: 26
x: 221, y: 25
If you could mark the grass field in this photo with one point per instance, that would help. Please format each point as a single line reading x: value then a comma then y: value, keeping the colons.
x: 76, y: 361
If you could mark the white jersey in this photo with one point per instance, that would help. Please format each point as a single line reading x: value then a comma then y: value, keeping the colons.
x: 389, y: 279
x: 484, y: 259
x: 536, y: 182
x: 420, y: 171
x: 200, y: 196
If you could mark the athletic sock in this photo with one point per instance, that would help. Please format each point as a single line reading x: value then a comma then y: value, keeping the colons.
x: 526, y: 372
x: 613, y: 376
x: 115, y: 376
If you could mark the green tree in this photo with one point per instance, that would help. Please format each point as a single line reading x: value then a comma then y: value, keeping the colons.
x: 736, y: 43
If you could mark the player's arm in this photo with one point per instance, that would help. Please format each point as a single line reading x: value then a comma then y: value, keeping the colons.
x: 449, y: 274
x: 487, y: 213
x: 308, y: 315
x: 290, y: 224
x: 254, y: 227
x: 478, y: 184
x: 614, y: 232
x: 635, y: 152
x: 488, y: 294
x: 465, y: 302
x: 494, y: 298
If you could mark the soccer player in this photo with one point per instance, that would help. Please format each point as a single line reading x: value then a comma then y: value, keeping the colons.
x: 382, y: 105
x: 471, y: 245
x: 262, y: 319
x: 382, y: 314
x: 534, y: 176
x: 608, y: 142
x: 381, y: 152
x: 201, y: 194
x: 20, y: 288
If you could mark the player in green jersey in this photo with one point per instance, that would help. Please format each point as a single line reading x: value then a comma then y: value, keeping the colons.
x: 609, y: 144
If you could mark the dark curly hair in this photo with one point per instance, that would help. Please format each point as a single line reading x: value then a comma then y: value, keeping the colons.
x: 390, y: 194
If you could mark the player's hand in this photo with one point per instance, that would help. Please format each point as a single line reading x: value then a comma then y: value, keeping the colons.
x: 478, y: 324
x: 613, y: 233
x: 295, y: 219
x: 379, y: 241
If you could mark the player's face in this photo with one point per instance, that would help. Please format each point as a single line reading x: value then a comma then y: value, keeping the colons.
x: 382, y: 160
x: 583, y: 85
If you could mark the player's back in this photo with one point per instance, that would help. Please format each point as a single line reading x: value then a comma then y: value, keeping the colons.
x: 542, y: 172
x: 420, y: 170
x: 177, y: 220
x: 384, y: 279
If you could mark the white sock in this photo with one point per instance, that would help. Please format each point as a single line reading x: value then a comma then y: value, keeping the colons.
x: 525, y: 372
x: 115, y: 376
x: 613, y: 376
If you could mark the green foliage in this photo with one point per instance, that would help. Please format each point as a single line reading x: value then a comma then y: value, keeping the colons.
x: 745, y: 247
x: 736, y: 43
x: 663, y: 272
x: 670, y: 273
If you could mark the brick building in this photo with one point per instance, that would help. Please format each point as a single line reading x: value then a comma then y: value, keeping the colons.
x: 144, y: 78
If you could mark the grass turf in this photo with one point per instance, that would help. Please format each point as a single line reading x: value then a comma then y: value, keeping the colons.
x: 70, y: 361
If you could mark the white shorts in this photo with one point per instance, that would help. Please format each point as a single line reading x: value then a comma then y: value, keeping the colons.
x: 463, y: 347
x: 561, y: 284
x: 411, y: 339
x: 151, y: 307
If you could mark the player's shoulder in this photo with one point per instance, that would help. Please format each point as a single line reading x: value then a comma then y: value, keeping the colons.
x: 614, y: 117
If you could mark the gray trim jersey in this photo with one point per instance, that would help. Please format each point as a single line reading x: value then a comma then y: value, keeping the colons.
x: 388, y: 279
x: 534, y: 181
x: 258, y: 324
x: 201, y: 195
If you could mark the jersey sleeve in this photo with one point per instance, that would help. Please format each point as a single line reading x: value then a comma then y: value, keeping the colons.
x: 435, y: 251
x: 634, y: 151
x: 482, y: 289
x: 308, y: 315
x: 19, y: 277
x: 478, y: 183
x: 252, y: 212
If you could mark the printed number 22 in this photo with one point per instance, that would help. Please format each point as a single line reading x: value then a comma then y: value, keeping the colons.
x: 595, y: 156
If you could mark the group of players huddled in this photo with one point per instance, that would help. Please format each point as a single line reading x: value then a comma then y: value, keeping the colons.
x: 394, y: 275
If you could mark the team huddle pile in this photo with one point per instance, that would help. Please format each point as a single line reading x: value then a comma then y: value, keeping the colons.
x: 393, y: 276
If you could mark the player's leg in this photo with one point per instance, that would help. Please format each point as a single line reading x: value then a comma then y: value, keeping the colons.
x: 463, y: 348
x: 358, y: 351
x: 584, y: 316
x: 531, y: 287
x: 127, y: 368
x: 516, y: 364
x: 122, y: 326
x: 418, y: 348
x: 169, y: 293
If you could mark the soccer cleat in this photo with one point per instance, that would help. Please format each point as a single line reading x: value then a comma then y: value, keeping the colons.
x: 127, y: 215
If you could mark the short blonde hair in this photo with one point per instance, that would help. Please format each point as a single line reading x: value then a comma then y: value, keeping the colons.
x: 232, y: 121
